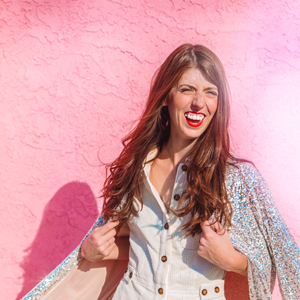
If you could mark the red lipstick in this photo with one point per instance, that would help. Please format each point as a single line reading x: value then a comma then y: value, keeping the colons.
x: 194, y: 119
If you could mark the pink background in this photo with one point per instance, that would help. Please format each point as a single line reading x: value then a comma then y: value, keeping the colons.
x: 75, y: 75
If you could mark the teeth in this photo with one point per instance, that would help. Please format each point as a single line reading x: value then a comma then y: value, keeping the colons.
x: 195, y: 117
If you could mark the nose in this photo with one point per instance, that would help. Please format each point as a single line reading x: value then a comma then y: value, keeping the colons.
x: 198, y: 102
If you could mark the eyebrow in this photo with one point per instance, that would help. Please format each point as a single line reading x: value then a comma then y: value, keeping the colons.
x: 211, y: 88
x: 187, y: 85
x: 192, y: 86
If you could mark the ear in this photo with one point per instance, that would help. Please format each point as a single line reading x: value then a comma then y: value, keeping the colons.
x: 165, y: 103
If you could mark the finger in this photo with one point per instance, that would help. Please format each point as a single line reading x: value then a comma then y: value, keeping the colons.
x: 101, y: 241
x: 202, y: 242
x: 108, y: 235
x: 111, y: 241
x: 100, y: 231
x: 107, y: 251
x: 214, y: 226
x: 213, y: 223
x: 220, y: 229
x: 103, y: 245
x: 202, y: 252
x: 205, y: 225
x: 110, y: 225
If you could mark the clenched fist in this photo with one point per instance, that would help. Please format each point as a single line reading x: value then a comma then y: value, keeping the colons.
x: 216, y: 247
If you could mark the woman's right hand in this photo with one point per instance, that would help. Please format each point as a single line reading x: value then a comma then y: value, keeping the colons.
x: 100, y: 244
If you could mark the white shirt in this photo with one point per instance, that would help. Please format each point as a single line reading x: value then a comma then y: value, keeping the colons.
x: 163, y: 263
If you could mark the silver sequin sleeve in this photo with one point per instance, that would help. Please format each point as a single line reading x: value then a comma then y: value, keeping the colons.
x: 260, y: 233
x: 60, y: 272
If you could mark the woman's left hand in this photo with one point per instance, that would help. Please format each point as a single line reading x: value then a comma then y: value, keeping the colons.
x: 216, y: 247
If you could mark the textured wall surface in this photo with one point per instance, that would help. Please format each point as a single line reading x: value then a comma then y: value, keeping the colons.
x: 74, y: 75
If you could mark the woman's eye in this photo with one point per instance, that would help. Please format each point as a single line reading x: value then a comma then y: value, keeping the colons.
x: 213, y: 93
x: 187, y: 90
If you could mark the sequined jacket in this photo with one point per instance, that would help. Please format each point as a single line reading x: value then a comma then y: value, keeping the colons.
x: 258, y: 231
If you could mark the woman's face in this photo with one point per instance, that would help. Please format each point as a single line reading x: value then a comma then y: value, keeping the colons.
x: 192, y: 104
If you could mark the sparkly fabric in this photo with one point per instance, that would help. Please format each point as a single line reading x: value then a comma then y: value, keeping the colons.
x: 59, y: 272
x: 258, y: 232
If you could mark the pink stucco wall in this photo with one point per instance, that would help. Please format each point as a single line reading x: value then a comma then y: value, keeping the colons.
x: 74, y: 75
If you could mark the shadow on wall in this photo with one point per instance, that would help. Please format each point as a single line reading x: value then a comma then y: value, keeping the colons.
x: 236, y: 287
x: 67, y: 217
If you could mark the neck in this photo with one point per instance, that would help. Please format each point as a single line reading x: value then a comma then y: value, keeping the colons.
x: 178, y: 152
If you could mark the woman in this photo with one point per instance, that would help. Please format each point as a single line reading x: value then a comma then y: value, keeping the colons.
x: 191, y: 209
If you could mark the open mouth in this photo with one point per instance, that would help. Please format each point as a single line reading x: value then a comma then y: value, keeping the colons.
x: 194, y: 119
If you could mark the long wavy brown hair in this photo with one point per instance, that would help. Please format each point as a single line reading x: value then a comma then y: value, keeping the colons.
x: 209, y: 157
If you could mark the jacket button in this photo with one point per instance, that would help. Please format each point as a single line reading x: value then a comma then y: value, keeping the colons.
x: 176, y: 197
x: 204, y: 292
x: 217, y: 289
x: 166, y: 226
x: 130, y: 275
x: 164, y: 258
x: 160, y: 291
x: 184, y: 168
